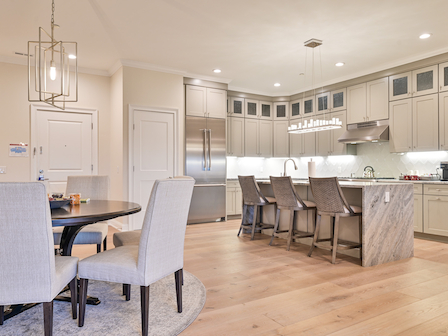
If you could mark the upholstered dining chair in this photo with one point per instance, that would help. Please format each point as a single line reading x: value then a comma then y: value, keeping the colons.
x: 158, y: 254
x: 255, y: 200
x: 330, y: 201
x: 29, y: 270
x: 288, y: 199
x: 94, y: 187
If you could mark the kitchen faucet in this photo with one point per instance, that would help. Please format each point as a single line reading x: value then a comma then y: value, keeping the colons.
x: 284, y: 166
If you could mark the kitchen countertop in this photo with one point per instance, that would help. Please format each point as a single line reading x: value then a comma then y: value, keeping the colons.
x: 356, y: 184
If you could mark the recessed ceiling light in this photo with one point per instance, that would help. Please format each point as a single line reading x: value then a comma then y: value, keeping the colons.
x: 277, y: 84
x: 217, y: 70
x: 425, y: 36
x: 340, y: 64
x: 71, y: 56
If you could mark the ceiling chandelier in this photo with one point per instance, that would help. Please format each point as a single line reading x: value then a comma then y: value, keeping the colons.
x: 49, y: 77
x: 318, y: 124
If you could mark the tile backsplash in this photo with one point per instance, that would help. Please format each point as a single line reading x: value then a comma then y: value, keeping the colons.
x: 377, y: 155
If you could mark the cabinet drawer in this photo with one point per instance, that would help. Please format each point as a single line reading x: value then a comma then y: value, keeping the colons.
x: 418, y: 188
x: 435, y: 212
x: 233, y: 184
x: 435, y: 189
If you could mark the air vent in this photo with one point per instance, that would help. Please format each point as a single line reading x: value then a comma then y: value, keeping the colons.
x: 22, y: 54
x: 368, y: 124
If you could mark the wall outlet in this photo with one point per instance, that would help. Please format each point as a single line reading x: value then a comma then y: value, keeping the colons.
x: 387, y: 197
x: 2, y: 169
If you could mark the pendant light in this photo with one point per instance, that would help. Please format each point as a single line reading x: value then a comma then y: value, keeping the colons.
x: 53, y: 76
x: 318, y: 124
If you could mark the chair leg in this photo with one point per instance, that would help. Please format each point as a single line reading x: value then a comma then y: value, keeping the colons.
x: 127, y: 291
x: 98, y: 248
x: 243, y: 218
x: 178, y: 278
x: 335, y: 239
x: 105, y: 244
x: 74, y: 296
x: 360, y: 237
x: 83, y: 284
x: 48, y: 318
x: 144, y: 298
x: 254, y: 222
x: 2, y: 314
x: 277, y: 222
x: 316, y: 234
x: 291, y: 229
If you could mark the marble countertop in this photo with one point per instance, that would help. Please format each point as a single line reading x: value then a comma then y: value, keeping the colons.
x: 380, y: 182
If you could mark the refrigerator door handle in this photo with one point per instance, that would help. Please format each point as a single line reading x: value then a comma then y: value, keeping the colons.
x: 209, y: 149
x: 204, y: 154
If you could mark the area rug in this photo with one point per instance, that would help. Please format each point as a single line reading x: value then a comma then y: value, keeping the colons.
x: 116, y: 316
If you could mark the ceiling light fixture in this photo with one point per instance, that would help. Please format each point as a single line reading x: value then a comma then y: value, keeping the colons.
x: 339, y: 64
x: 424, y: 36
x: 277, y: 84
x: 217, y: 71
x: 50, y: 80
x: 316, y: 125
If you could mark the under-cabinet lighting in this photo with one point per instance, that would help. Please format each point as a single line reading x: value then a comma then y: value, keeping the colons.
x: 436, y: 155
x: 424, y: 36
x: 231, y: 157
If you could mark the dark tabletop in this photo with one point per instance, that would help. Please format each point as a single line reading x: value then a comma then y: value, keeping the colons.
x: 92, y: 212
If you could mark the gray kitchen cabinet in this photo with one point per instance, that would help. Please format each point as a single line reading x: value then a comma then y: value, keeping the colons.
x: 338, y: 100
x: 235, y: 136
x: 443, y: 77
x: 308, y: 106
x: 303, y: 144
x: 443, y: 121
x: 281, y: 111
x: 309, y: 141
x: 296, y: 109
x: 400, y: 126
x: 356, y: 103
x: 257, y: 137
x: 234, y: 198
x: 265, y: 110
x: 327, y: 141
x: 323, y: 102
x: 418, y: 208
x: 281, y: 138
x: 425, y: 123
x: 255, y: 109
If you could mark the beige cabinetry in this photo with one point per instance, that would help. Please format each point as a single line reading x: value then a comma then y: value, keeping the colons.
x: 443, y: 77
x: 400, y: 126
x: 414, y: 83
x: 234, y: 198
x: 302, y: 144
x: 309, y: 141
x: 425, y: 123
x: 308, y: 106
x: 236, y: 107
x: 257, y: 137
x: 322, y: 102
x: 205, y: 102
x: 435, y: 209
x: 296, y: 109
x: 327, y: 141
x: 281, y: 111
x: 281, y: 138
x: 235, y: 136
x: 443, y: 120
x: 356, y: 103
x: 265, y: 110
x: 338, y: 100
x: 418, y: 207
x: 255, y: 109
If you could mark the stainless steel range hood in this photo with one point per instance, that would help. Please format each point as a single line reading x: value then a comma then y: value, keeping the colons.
x: 370, y: 131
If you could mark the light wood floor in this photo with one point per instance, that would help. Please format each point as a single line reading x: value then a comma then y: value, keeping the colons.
x: 256, y: 289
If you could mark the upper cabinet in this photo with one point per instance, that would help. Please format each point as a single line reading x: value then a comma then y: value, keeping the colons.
x: 322, y: 102
x: 281, y: 138
x: 235, y: 136
x: 338, y: 100
x: 414, y: 83
x: 443, y: 120
x: 281, y: 111
x: 265, y: 110
x: 443, y: 77
x: 255, y: 109
x: 236, y: 107
x: 327, y: 141
x: 368, y: 101
x: 206, y: 102
x: 296, y: 109
x: 308, y: 106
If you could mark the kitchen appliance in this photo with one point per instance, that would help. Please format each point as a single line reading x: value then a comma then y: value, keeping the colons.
x: 444, y: 167
x: 370, y: 131
x: 205, y: 161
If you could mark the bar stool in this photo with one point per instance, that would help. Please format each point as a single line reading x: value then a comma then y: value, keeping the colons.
x: 330, y: 201
x: 288, y: 199
x: 252, y: 197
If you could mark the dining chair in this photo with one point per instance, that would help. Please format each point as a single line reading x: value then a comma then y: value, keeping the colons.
x: 29, y: 270
x: 158, y: 254
x: 330, y: 201
x: 94, y: 187
x: 288, y: 199
x: 253, y: 203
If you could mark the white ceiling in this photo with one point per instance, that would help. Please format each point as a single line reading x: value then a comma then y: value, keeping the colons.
x: 256, y: 43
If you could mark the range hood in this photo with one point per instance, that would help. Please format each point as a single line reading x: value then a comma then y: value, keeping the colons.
x: 370, y: 131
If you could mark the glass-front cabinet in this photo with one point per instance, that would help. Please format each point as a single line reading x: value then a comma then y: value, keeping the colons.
x: 308, y: 106
x: 281, y: 111
x: 337, y: 100
x: 251, y: 108
x: 414, y: 83
x: 322, y: 102
x: 400, y: 86
x: 443, y: 77
x: 265, y: 110
x: 296, y: 109
x: 236, y: 107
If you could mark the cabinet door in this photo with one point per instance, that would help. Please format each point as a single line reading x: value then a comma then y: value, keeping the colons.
x: 236, y: 107
x: 425, y: 81
x: 425, y: 123
x: 295, y: 141
x: 308, y: 106
x: 309, y: 142
x: 322, y: 102
x: 216, y: 103
x: 435, y: 213
x: 443, y: 77
x: 266, y: 110
x: 196, y: 98
x: 336, y: 147
x: 356, y: 103
x: 296, y: 109
x: 378, y: 99
x: 338, y: 100
x: 228, y: 137
x: 281, y: 111
x: 238, y: 201
x: 251, y: 137
x: 443, y: 120
x: 400, y: 86
x: 230, y: 201
x: 400, y: 126
x: 323, y: 139
x: 281, y: 139
x: 251, y: 108
x: 236, y: 136
x: 418, y: 213
x: 265, y: 138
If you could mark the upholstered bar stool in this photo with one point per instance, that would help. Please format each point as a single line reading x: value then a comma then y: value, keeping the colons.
x: 288, y: 199
x: 330, y: 201
x: 252, y: 197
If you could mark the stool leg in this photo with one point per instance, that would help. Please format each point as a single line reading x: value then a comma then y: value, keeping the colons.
x: 254, y: 222
x: 335, y: 239
x: 316, y: 234
x: 260, y: 218
x: 277, y: 222
x: 360, y: 237
x: 243, y: 218
x: 291, y: 228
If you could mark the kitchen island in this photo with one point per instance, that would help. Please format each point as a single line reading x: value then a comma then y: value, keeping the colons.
x: 387, y: 226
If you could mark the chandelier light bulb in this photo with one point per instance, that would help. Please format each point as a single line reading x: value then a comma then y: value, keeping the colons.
x: 52, y: 71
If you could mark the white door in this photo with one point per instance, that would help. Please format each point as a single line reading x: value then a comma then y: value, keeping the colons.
x: 63, y: 147
x: 153, y: 156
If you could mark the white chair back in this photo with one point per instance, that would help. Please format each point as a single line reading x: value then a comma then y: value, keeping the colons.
x: 27, y: 261
x: 95, y: 187
x: 161, y: 248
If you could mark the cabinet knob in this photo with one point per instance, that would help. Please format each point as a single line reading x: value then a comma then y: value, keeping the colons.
x: 438, y: 189
x: 438, y: 199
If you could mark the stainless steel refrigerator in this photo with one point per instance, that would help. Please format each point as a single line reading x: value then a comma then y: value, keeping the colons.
x: 205, y: 161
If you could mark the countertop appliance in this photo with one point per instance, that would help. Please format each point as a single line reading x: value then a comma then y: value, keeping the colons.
x: 444, y: 167
x: 205, y: 161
